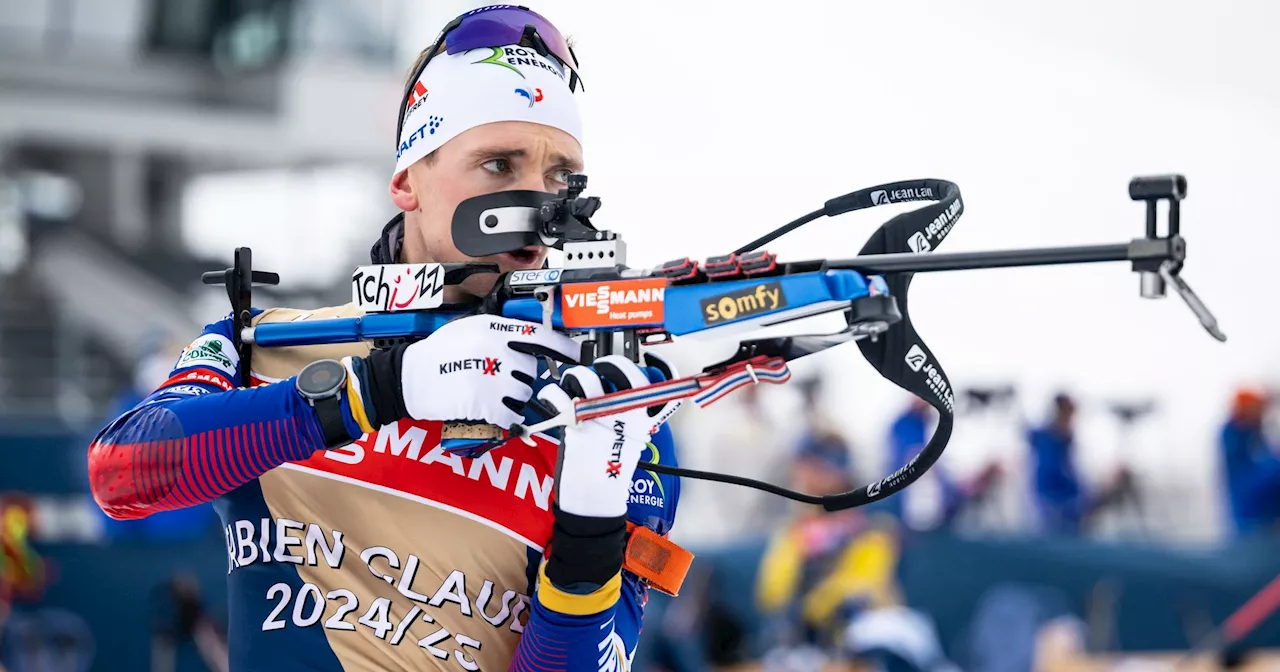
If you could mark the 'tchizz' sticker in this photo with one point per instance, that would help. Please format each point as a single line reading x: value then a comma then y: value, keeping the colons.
x: 397, y: 287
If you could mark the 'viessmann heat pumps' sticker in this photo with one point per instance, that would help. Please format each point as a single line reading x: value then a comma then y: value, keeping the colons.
x: 613, y: 303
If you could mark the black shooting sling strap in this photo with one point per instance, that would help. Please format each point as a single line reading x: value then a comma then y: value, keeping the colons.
x: 899, y: 354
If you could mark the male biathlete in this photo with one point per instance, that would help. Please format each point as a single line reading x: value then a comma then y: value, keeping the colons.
x: 355, y: 540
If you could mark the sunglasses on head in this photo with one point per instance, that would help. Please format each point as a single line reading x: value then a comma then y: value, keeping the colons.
x: 496, y: 26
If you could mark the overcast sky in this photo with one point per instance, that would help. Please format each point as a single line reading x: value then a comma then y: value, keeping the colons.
x: 1041, y: 112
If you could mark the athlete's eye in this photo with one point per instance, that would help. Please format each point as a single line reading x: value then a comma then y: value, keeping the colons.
x: 561, y: 175
x: 497, y: 165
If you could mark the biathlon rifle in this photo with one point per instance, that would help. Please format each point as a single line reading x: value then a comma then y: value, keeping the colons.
x: 619, y: 309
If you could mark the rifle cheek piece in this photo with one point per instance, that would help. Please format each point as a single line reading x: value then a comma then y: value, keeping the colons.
x: 506, y: 221
x: 495, y: 223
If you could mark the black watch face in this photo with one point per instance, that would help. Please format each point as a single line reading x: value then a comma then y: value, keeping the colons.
x: 321, y: 379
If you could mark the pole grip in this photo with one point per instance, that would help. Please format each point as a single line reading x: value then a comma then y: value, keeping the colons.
x: 470, y: 439
x: 479, y: 431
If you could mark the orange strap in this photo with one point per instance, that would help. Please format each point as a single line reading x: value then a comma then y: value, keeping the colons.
x: 662, y: 563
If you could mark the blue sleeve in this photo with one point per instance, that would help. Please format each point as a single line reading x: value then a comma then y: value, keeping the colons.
x: 198, y: 436
x: 601, y: 630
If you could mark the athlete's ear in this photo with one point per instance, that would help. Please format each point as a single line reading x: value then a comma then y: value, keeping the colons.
x: 402, y: 191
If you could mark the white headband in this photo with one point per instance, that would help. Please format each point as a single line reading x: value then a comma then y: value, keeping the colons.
x: 458, y: 92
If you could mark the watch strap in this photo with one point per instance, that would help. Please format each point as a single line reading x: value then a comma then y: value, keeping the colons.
x: 332, y: 425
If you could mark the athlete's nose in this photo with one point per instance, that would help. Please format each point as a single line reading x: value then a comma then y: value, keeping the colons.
x: 531, y: 178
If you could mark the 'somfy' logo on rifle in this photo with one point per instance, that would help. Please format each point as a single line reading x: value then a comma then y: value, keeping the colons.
x: 744, y: 302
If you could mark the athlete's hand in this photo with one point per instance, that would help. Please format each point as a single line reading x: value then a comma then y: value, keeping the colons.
x: 598, y: 457
x: 478, y: 368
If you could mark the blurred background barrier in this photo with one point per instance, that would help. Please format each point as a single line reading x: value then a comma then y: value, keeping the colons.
x: 112, y: 113
x: 1112, y: 491
x: 982, y: 593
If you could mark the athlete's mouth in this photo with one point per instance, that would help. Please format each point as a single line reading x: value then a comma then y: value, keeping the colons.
x: 526, y: 257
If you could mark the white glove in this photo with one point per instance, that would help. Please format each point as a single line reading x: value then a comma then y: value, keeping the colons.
x: 479, y: 368
x: 598, y: 457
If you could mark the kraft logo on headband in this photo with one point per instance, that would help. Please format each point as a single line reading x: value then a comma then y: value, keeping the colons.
x: 429, y: 128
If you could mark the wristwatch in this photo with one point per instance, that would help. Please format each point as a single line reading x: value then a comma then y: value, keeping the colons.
x: 321, y: 383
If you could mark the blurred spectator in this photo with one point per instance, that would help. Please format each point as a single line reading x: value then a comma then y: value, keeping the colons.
x: 45, y: 640
x: 818, y: 441
x: 743, y: 435
x: 822, y: 568
x: 1251, y: 467
x: 180, y: 617
x: 1058, y: 492
x: 937, y: 498
x: 908, y: 434
x: 1062, y: 502
x: 1019, y: 627
x: 896, y: 639
x: 23, y: 573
